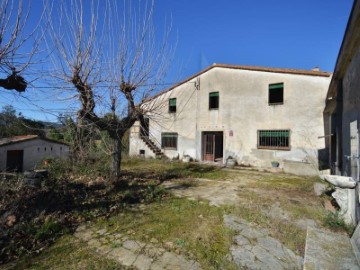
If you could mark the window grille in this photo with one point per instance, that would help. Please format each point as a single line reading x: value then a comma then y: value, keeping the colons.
x: 274, y: 139
x: 169, y: 140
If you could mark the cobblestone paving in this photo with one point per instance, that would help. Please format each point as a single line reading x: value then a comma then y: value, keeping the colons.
x: 133, y: 254
x: 253, y: 248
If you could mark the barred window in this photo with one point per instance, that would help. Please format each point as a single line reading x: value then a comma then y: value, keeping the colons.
x: 274, y: 139
x: 169, y: 140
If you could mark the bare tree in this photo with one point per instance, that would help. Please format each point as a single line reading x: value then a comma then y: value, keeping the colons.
x: 113, y: 60
x: 17, y: 45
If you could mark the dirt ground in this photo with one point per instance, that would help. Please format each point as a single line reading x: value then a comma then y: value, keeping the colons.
x: 276, y: 193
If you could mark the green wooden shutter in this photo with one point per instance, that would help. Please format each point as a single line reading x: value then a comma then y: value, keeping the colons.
x: 172, y: 101
x: 214, y: 94
x: 276, y: 86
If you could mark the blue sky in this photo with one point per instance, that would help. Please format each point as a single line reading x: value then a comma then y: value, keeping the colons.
x: 297, y: 34
x: 291, y: 34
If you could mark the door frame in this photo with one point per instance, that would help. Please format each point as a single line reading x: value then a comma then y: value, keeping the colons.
x: 214, y: 135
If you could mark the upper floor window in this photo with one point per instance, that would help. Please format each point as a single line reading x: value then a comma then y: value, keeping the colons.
x: 276, y: 93
x: 172, y: 105
x: 213, y: 100
x: 274, y: 139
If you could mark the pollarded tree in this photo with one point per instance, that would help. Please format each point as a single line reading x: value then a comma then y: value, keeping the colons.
x: 17, y: 45
x: 111, y: 56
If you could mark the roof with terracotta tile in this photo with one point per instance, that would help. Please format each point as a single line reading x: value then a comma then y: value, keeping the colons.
x: 22, y: 138
x: 251, y: 68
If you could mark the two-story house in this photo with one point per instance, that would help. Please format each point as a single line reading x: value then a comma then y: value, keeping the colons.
x: 253, y: 114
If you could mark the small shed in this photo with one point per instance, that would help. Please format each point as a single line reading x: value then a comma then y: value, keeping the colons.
x: 20, y: 153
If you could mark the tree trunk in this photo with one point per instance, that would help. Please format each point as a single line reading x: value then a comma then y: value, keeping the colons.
x: 116, y: 158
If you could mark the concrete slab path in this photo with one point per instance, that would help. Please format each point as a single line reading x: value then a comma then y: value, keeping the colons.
x: 254, y: 248
x: 326, y: 250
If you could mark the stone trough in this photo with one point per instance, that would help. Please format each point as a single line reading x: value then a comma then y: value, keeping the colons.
x: 345, y: 195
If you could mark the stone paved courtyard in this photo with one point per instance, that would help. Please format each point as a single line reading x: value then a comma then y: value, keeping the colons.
x: 253, y: 247
x: 132, y: 253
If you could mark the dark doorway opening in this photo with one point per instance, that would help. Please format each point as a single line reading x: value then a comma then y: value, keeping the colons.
x: 144, y: 127
x: 212, y: 143
x: 14, y: 160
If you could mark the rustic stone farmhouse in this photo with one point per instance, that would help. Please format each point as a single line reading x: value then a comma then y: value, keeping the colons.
x: 254, y: 115
x: 22, y: 153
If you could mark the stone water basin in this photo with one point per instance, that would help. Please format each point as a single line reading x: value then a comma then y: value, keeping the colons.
x: 340, y: 181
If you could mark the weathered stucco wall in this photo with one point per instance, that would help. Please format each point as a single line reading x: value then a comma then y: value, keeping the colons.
x: 351, y: 113
x: 244, y: 110
x: 34, y: 151
x: 136, y: 144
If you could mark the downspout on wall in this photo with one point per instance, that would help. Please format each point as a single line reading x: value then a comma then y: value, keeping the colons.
x: 339, y: 129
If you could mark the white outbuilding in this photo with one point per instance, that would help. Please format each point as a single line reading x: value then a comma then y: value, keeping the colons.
x: 20, y: 153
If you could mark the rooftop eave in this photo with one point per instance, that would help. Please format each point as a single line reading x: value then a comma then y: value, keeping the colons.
x: 349, y: 47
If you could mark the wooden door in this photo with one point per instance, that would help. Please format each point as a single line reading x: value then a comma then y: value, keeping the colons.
x: 14, y: 160
x: 209, y: 147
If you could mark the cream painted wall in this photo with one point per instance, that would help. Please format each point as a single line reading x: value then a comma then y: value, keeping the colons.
x: 243, y: 109
x: 34, y: 152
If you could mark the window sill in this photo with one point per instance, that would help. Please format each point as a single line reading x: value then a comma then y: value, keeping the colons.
x: 213, y: 109
x: 172, y: 112
x: 274, y: 104
x: 274, y: 148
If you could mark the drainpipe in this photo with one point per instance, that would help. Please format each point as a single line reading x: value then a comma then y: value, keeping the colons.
x: 197, y: 88
x: 357, y: 188
x: 339, y: 126
x: 358, y: 159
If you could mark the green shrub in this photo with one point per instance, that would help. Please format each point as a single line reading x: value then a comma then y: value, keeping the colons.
x: 46, y: 230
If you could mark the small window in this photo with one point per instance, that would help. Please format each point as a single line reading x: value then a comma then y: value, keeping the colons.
x: 51, y: 148
x: 60, y: 148
x: 172, y: 105
x: 274, y: 139
x: 45, y: 149
x: 213, y: 100
x: 38, y: 149
x: 276, y: 93
x: 169, y: 140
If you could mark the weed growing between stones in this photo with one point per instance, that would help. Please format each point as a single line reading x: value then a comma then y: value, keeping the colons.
x: 336, y: 222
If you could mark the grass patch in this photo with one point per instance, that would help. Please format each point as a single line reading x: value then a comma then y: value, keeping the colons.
x: 66, y: 253
x: 193, y: 227
x: 166, y: 169
x: 278, y: 202
x: 284, y: 182
x: 286, y: 232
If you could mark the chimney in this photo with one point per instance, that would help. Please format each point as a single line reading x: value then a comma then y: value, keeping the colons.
x: 317, y: 68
